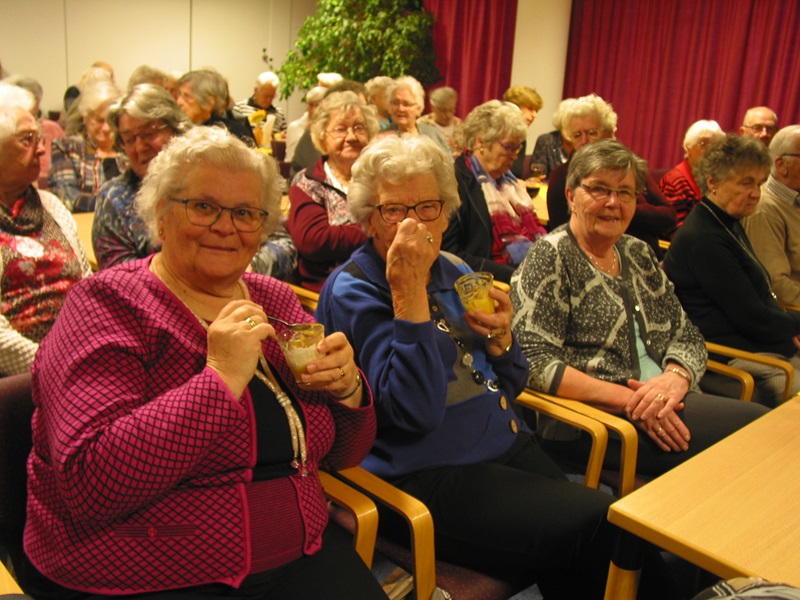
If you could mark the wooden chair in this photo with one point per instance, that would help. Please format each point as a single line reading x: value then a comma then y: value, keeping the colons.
x: 777, y: 363
x: 420, y: 558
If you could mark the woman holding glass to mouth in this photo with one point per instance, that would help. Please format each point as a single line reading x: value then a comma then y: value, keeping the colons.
x: 168, y: 425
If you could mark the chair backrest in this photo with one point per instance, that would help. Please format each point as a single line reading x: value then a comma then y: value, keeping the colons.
x: 16, y: 410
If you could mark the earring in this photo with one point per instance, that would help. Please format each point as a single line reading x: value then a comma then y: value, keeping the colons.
x: 161, y: 233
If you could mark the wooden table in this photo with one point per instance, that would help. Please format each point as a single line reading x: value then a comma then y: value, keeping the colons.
x: 732, y: 510
x: 84, y: 221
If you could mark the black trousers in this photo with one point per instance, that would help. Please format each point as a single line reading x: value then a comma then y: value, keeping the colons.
x: 519, y: 515
x: 709, y: 419
x: 336, y: 571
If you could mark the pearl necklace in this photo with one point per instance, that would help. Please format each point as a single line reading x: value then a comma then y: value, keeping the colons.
x: 268, y: 378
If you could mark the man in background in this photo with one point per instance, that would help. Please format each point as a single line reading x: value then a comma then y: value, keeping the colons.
x: 760, y: 122
x: 263, y: 95
x: 774, y: 228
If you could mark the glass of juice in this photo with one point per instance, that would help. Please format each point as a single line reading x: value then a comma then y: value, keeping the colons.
x: 473, y: 288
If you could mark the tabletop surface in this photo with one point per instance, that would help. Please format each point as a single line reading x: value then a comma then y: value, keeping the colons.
x: 732, y: 509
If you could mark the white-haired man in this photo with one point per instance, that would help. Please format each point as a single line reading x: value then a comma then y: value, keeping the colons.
x: 266, y: 87
x: 774, y: 229
x: 679, y: 185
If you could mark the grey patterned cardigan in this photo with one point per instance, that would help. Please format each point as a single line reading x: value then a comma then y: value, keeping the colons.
x: 569, y: 314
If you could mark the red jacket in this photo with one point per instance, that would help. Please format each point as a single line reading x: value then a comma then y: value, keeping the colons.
x: 140, y: 475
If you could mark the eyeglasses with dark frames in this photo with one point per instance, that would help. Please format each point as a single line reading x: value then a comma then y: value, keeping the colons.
x: 509, y: 148
x: 601, y: 193
x: 205, y: 213
x: 395, y: 212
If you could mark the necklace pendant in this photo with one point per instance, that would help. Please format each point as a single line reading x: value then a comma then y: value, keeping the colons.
x: 441, y: 325
x: 491, y: 385
x: 467, y: 360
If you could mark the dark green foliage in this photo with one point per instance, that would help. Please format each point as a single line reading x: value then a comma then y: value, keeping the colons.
x: 361, y: 39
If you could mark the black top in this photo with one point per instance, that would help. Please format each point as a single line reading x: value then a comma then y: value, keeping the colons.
x: 722, y: 286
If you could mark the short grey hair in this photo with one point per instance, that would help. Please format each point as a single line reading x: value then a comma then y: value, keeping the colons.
x: 395, y: 160
x: 147, y: 74
x: 786, y: 141
x: 378, y: 85
x: 13, y: 99
x: 605, y: 155
x: 561, y: 109
x: 95, y: 95
x: 493, y: 120
x: 27, y: 83
x: 315, y: 94
x: 268, y: 77
x: 205, y: 146
x: 343, y: 102
x: 698, y: 129
x: 443, y: 95
x: 412, y: 85
x: 591, y: 105
x: 208, y: 87
x: 729, y: 155
x: 150, y: 102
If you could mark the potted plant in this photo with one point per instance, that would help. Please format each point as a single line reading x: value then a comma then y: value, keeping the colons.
x: 361, y: 39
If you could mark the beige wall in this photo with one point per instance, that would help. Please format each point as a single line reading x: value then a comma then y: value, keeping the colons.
x: 540, y: 56
x: 56, y: 40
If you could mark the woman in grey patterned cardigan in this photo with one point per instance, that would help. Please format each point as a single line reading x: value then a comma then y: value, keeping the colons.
x: 599, y: 321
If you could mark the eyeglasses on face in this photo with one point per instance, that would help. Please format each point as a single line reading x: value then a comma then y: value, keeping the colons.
x: 205, y: 213
x: 341, y: 131
x: 31, y: 139
x: 589, y: 134
x: 510, y: 148
x: 146, y: 135
x: 395, y: 212
x: 761, y: 128
x: 601, y: 193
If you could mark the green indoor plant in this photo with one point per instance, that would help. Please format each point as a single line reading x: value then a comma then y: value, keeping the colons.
x: 361, y: 39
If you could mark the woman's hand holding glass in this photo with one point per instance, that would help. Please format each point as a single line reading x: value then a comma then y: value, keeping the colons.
x: 336, y: 371
x: 653, y: 406
x: 234, y: 343
x: 494, y: 328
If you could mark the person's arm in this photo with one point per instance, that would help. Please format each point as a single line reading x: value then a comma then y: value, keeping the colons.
x: 99, y: 366
x: 768, y: 234
x: 718, y: 270
x: 316, y: 239
x: 277, y: 256
x: 557, y: 207
x: 677, y: 191
x: 16, y: 350
x: 64, y: 178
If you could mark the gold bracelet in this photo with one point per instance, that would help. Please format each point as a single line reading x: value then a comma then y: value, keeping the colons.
x: 351, y: 392
x: 682, y: 373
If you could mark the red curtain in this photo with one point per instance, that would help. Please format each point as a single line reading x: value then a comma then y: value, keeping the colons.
x: 664, y: 64
x: 474, y: 41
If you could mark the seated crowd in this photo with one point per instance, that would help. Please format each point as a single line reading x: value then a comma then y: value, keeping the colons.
x: 171, y: 350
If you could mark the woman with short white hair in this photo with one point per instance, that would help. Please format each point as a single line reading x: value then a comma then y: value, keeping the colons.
x: 83, y: 161
x: 443, y: 102
x: 41, y: 257
x: 679, y: 185
x: 406, y: 103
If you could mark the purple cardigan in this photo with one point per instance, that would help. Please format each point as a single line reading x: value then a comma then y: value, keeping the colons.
x: 140, y: 475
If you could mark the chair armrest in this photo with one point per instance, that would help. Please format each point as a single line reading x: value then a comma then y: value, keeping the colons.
x: 740, y: 375
x: 597, y: 431
x: 308, y: 298
x: 783, y: 365
x: 363, y: 510
x: 791, y: 307
x: 416, y: 515
x: 626, y: 431
x: 7, y: 583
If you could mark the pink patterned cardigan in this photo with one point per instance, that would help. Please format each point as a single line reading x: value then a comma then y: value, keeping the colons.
x: 139, y: 479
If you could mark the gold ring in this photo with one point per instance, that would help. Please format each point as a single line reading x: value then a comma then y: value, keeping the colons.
x: 251, y: 322
x: 659, y: 430
x: 341, y: 373
x: 430, y: 238
x: 660, y: 397
x: 490, y: 335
